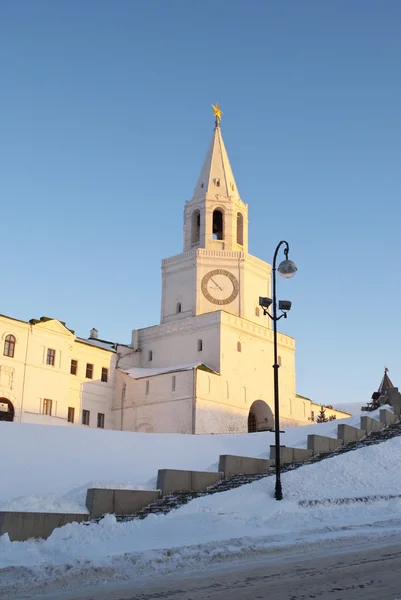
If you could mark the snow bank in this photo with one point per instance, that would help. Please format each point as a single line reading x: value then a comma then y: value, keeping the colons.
x: 50, y: 468
x: 244, y: 519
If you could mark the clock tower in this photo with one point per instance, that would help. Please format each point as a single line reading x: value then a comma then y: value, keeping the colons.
x: 215, y: 271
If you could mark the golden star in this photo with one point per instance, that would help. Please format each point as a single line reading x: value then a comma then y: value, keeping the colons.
x: 217, y: 111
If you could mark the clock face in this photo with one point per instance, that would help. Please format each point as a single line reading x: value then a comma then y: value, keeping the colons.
x: 220, y: 286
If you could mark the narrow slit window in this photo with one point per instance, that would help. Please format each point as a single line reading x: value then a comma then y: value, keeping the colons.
x: 240, y: 229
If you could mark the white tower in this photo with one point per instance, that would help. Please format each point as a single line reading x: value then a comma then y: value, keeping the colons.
x: 216, y: 218
x: 215, y: 271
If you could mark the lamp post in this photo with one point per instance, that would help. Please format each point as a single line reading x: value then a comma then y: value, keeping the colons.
x: 286, y: 269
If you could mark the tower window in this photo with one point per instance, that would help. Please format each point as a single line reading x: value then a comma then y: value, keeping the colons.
x: 240, y: 229
x: 150, y: 355
x: 218, y: 225
x: 202, y: 185
x: 147, y: 388
x: 200, y: 345
x: 195, y: 227
x: 173, y: 383
x: 239, y: 347
x: 257, y: 311
x: 178, y: 307
x: 218, y: 182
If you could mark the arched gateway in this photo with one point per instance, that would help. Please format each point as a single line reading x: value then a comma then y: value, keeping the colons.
x: 6, y: 410
x: 260, y: 417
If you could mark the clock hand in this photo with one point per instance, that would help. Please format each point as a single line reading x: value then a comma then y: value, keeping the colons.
x: 220, y: 288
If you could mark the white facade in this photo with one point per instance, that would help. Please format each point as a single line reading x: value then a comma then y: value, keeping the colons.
x: 207, y: 368
x: 36, y: 380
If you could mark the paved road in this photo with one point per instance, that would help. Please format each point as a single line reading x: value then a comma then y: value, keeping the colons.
x: 373, y: 574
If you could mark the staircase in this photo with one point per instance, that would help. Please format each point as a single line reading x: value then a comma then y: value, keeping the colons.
x: 171, y: 502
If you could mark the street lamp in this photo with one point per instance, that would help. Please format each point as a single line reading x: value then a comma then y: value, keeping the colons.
x: 286, y: 269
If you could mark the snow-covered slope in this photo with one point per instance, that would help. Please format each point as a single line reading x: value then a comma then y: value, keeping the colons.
x: 243, y: 522
x: 50, y: 468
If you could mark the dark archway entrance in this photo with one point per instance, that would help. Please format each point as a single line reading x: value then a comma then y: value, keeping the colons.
x: 6, y: 410
x: 260, y: 417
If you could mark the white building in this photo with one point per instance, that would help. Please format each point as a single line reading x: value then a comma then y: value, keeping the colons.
x: 48, y: 375
x: 205, y: 369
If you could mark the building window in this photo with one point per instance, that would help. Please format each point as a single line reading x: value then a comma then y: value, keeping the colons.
x: 9, y: 346
x: 239, y: 347
x: 195, y: 227
x: 200, y: 345
x: 150, y: 356
x: 74, y: 367
x: 105, y: 375
x: 218, y: 182
x: 218, y: 225
x: 147, y: 388
x: 51, y: 357
x: 178, y: 307
x: 312, y: 415
x: 100, y: 420
x: 240, y: 229
x: 257, y: 311
x: 71, y: 414
x: 173, y: 383
x: 47, y: 407
x: 85, y: 417
x: 89, y: 371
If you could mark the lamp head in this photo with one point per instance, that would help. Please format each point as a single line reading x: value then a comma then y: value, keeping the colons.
x: 284, y: 305
x: 265, y: 302
x: 287, y: 268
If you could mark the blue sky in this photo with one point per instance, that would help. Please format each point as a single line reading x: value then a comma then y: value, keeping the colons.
x: 105, y: 121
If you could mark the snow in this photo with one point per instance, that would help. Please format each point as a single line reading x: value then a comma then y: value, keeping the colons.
x: 50, y: 468
x: 140, y: 372
x: 99, y: 344
x: 226, y: 526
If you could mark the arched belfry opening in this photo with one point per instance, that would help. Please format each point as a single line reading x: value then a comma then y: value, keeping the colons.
x: 218, y: 224
x: 7, y: 411
x: 240, y: 229
x: 260, y: 417
x: 195, y: 227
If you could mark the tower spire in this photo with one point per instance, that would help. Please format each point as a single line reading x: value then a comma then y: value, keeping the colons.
x: 216, y: 176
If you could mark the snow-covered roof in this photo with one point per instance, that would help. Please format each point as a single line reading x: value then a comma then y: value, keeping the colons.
x: 139, y: 372
x: 99, y: 344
